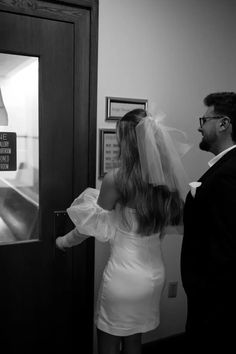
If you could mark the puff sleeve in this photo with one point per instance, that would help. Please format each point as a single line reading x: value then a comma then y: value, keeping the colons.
x: 89, y: 218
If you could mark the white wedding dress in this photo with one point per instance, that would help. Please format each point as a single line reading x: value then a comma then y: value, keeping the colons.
x: 133, y: 278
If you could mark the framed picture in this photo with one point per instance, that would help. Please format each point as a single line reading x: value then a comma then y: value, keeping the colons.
x: 108, y: 151
x: 117, y: 107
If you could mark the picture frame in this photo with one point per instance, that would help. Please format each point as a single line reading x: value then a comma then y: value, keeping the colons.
x: 117, y: 107
x: 108, y: 151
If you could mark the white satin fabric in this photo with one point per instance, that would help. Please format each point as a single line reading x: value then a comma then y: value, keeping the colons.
x: 133, y: 278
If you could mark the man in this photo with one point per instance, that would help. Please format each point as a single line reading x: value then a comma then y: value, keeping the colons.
x: 208, y: 257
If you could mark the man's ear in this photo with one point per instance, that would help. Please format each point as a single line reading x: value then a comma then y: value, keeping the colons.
x: 225, y: 123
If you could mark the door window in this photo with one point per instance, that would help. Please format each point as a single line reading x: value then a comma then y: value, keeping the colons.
x: 19, y: 148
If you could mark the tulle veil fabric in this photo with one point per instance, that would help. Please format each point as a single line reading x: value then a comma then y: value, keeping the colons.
x: 160, y: 154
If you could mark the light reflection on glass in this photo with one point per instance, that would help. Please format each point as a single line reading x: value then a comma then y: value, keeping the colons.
x: 19, y: 189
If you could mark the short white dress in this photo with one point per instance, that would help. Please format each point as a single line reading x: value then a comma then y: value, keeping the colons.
x: 133, y: 279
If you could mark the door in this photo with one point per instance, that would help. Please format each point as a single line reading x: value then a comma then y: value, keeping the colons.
x: 46, y: 297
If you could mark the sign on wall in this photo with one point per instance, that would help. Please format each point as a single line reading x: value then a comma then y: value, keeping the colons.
x: 117, y: 107
x: 7, y: 151
x: 109, y: 151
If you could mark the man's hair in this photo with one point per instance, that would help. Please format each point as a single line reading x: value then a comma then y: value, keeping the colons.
x: 224, y: 103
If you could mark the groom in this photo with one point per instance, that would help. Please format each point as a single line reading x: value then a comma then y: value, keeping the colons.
x: 208, y: 257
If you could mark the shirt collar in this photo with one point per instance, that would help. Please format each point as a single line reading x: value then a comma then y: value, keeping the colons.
x: 217, y: 157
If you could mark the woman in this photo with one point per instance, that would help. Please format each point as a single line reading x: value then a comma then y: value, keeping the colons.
x: 134, y: 205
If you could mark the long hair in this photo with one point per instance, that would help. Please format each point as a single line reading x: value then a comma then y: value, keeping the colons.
x: 156, y: 206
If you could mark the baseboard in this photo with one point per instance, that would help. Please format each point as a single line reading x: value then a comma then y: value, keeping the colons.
x: 176, y: 341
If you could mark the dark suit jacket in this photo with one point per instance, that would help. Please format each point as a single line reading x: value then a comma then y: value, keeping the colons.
x: 208, y: 257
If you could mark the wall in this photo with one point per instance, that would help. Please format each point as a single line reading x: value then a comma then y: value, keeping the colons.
x: 172, y: 52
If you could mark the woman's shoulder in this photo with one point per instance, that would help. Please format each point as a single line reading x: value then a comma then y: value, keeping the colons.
x: 110, y: 177
x: 109, y: 181
x: 109, y: 194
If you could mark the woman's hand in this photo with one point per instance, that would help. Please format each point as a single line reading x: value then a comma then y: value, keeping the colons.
x: 60, y: 243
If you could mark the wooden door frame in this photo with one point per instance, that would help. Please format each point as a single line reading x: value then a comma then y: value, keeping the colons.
x: 69, y: 10
x: 50, y: 10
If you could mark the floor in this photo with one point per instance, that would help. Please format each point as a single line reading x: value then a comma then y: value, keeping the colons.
x: 175, y: 343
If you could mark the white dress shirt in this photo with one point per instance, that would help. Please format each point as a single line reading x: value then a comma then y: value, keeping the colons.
x: 217, y: 157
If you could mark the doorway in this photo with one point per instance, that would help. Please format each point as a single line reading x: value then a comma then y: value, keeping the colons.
x: 46, y: 296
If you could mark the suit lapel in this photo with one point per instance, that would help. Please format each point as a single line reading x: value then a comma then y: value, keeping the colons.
x: 217, y: 165
x: 207, y: 176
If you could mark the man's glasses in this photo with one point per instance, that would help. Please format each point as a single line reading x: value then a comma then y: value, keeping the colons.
x: 203, y: 120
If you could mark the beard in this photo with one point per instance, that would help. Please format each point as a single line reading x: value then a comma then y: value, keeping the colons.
x: 204, y: 145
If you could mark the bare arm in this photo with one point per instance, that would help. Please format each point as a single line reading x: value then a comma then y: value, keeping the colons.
x: 108, y: 195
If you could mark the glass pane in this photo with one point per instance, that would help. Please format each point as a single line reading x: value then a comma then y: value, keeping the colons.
x: 19, y: 148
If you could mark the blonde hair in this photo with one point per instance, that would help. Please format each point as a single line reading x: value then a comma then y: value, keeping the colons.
x: 156, y: 206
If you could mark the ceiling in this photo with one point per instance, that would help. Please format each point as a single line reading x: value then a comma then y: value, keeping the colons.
x: 11, y: 62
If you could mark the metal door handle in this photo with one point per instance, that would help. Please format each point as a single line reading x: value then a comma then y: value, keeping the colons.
x: 62, y: 223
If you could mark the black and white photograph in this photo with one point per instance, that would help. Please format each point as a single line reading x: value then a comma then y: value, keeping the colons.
x: 117, y: 176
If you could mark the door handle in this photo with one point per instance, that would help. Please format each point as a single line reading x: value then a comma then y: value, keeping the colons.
x: 62, y: 261
x: 62, y: 223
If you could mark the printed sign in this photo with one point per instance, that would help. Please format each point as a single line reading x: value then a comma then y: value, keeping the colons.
x: 109, y: 151
x: 117, y: 107
x: 7, y: 151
